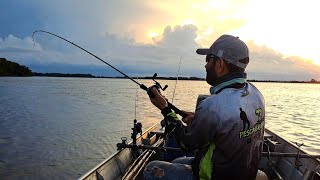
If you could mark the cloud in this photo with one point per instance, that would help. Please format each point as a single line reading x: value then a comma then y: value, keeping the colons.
x: 12, y: 43
x: 179, y: 37
x: 123, y: 53
x: 267, y: 64
x: 112, y: 29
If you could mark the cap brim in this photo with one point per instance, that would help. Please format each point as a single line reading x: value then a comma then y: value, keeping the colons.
x: 203, y: 51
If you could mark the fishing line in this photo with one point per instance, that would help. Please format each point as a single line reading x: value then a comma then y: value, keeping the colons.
x: 142, y: 86
x: 175, y: 86
x: 135, y: 103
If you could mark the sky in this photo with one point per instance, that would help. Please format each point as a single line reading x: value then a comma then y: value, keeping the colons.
x: 143, y: 37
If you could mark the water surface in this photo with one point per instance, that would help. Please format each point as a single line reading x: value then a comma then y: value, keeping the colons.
x: 59, y: 128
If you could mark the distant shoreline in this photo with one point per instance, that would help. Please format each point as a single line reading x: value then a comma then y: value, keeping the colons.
x: 162, y: 78
x: 12, y: 69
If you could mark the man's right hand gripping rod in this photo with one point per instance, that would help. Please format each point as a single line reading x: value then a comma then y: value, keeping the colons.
x: 158, y: 87
x: 171, y: 106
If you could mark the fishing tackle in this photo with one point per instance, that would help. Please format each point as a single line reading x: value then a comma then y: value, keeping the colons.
x: 142, y: 86
x: 156, y: 85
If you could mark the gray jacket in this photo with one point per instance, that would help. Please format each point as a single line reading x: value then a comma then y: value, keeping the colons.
x: 233, y: 122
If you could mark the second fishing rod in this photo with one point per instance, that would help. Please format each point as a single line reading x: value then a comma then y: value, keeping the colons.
x: 142, y: 86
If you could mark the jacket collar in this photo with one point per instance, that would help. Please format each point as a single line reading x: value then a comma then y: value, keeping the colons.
x: 227, y: 81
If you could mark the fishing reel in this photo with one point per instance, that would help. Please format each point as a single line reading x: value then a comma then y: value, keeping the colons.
x: 157, y: 85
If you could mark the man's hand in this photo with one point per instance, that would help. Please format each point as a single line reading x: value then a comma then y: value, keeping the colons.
x: 189, y: 118
x: 159, y: 101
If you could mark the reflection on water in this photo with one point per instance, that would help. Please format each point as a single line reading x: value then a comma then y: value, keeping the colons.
x: 292, y: 111
x: 62, y: 127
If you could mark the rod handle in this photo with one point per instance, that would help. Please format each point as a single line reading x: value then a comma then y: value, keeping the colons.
x: 177, y: 111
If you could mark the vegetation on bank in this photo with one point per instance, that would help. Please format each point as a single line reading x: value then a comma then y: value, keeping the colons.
x: 8, y: 68
x: 159, y: 77
x: 112, y: 77
x: 273, y: 81
x: 203, y: 79
x: 63, y: 75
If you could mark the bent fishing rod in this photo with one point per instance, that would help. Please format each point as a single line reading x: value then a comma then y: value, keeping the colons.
x: 142, y: 86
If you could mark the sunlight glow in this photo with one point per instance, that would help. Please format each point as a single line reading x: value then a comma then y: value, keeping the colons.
x: 287, y: 27
x: 316, y: 59
x: 188, y: 21
x: 208, y: 31
x: 284, y: 30
x: 153, y: 34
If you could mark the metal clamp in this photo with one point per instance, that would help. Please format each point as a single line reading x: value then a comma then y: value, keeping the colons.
x: 298, y: 162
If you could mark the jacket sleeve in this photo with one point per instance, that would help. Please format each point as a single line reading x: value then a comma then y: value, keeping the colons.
x: 198, y: 133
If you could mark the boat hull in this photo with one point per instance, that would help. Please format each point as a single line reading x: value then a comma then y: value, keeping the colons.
x: 125, y: 164
x: 116, y: 165
x: 291, y: 162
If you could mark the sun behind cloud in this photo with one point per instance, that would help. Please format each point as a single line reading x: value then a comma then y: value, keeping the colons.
x: 153, y: 34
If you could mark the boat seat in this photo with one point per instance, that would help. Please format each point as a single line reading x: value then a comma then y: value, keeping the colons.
x: 261, y: 175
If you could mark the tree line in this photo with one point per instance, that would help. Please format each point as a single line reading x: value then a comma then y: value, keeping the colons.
x: 8, y: 68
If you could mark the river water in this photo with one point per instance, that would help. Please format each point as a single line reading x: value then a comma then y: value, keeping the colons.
x: 59, y: 128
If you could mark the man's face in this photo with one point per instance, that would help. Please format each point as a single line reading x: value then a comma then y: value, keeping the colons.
x: 210, y: 68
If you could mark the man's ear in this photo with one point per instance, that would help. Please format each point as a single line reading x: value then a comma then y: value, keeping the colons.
x: 222, y: 66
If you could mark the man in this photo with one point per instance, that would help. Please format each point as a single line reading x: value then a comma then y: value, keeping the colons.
x: 225, y: 149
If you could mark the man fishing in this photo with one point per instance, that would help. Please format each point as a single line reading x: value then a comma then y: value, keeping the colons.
x: 224, y: 149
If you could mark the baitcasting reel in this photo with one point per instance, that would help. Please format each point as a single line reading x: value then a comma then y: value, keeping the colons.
x: 157, y: 85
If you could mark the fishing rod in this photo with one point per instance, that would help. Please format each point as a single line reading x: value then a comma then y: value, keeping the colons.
x: 142, y: 86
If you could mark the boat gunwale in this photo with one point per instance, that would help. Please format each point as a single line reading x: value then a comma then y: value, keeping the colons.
x: 302, y: 151
x: 274, y: 137
x: 104, y: 162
